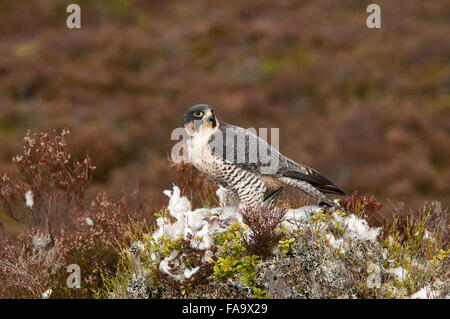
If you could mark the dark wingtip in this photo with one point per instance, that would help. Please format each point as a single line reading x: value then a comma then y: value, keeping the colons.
x: 331, y: 189
x: 317, y: 180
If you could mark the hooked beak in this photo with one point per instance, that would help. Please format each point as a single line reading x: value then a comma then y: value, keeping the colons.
x: 209, y: 116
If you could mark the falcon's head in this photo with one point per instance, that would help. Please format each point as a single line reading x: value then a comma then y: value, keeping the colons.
x: 200, y: 118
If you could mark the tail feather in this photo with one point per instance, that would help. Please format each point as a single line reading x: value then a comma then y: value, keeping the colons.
x: 315, y: 179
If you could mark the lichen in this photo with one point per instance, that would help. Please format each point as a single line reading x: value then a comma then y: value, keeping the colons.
x: 319, y: 254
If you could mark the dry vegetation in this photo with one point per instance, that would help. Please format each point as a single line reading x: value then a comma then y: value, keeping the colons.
x: 369, y: 109
x: 111, y: 241
x: 57, y: 229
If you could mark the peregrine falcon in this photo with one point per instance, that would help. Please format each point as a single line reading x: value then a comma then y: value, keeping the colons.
x: 246, y: 165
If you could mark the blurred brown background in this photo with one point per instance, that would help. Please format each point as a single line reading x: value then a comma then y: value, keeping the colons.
x: 370, y: 109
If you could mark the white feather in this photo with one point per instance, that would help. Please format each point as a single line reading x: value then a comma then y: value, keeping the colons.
x: 29, y: 199
x: 188, y: 273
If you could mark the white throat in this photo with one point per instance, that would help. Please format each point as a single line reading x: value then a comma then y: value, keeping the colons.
x: 198, y: 150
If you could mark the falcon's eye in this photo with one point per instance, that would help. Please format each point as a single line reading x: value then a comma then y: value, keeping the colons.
x: 198, y: 114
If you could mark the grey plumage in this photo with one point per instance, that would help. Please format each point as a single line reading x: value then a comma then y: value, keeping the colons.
x: 247, y: 165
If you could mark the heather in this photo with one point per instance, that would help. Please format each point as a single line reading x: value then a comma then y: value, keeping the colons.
x: 126, y: 249
x: 368, y: 108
